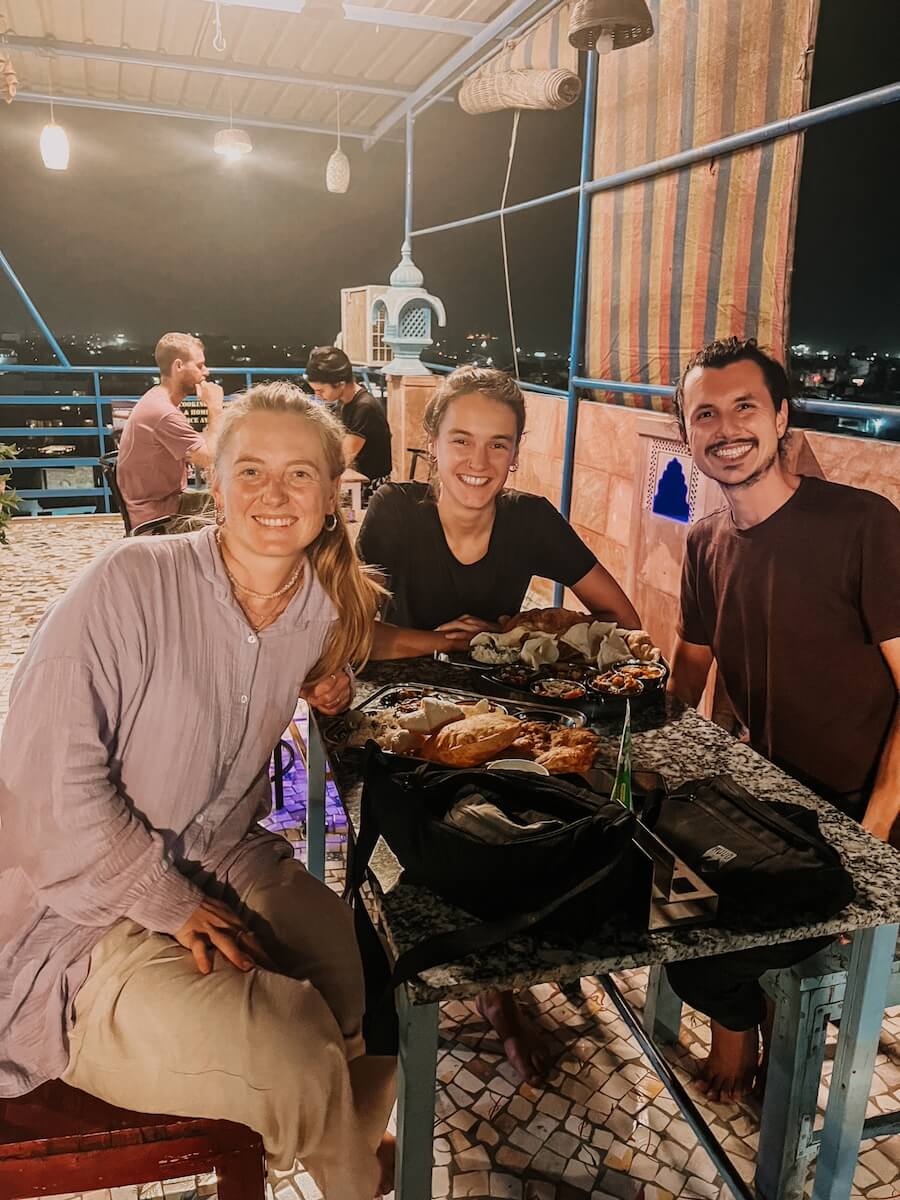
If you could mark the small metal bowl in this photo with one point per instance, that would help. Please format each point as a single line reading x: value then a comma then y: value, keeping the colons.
x: 613, y: 685
x: 567, y: 693
x: 651, y: 674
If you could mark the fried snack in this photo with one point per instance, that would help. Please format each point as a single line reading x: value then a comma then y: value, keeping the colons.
x: 472, y: 741
x: 545, y: 620
x: 560, y: 760
x: 557, y: 747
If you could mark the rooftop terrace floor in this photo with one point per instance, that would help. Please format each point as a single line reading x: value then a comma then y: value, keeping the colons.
x: 603, y: 1128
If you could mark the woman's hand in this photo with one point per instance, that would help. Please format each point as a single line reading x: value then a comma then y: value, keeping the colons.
x: 330, y: 695
x: 460, y: 631
x: 214, y: 926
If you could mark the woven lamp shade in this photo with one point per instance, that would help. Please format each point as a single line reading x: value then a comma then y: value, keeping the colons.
x: 8, y: 80
x: 625, y: 22
x: 337, y: 173
x: 520, y: 88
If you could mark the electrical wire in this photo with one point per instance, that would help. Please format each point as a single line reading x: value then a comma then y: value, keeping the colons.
x: 509, y: 307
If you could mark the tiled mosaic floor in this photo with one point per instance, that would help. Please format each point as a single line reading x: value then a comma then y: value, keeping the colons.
x: 602, y: 1129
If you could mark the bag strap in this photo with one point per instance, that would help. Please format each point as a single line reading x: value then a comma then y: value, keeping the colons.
x: 457, y: 943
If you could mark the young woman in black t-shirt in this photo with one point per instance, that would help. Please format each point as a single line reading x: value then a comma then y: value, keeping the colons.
x: 459, y: 554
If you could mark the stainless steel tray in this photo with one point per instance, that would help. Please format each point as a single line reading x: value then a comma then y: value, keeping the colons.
x: 526, y: 710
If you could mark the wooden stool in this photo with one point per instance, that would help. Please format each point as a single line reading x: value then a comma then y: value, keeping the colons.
x: 59, y: 1139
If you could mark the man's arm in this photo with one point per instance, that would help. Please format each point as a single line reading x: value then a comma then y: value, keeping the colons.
x: 690, y: 669
x: 352, y: 444
x: 884, y: 803
x: 213, y: 397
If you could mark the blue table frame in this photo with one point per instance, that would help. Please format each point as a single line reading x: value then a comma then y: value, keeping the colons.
x: 863, y: 1007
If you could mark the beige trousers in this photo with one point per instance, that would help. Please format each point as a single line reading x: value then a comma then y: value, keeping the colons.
x: 281, y: 1053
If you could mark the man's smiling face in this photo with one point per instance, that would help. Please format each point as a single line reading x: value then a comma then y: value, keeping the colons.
x: 732, y: 424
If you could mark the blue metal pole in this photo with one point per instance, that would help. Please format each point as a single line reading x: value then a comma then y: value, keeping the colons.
x: 576, y: 340
x: 408, y: 190
x: 98, y: 402
x: 29, y: 304
x: 889, y: 94
x: 613, y: 385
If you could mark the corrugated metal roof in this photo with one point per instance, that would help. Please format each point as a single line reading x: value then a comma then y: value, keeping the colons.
x: 349, y: 52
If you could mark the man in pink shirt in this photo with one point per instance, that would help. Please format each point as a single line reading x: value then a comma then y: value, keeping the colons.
x: 158, y: 441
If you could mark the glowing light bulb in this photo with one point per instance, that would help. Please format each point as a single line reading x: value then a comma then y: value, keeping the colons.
x: 605, y: 43
x: 54, y: 147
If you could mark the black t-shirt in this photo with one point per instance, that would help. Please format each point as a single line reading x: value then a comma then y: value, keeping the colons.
x: 402, y: 534
x: 794, y: 610
x: 365, y: 418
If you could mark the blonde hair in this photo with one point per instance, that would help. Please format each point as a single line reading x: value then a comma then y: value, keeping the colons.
x: 351, y: 586
x: 172, y: 346
x: 494, y: 384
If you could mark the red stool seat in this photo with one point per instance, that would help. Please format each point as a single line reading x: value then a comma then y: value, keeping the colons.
x: 58, y: 1139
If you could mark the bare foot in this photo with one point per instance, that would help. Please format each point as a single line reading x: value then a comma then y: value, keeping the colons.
x: 523, y: 1044
x: 728, y: 1073
x: 387, y: 1156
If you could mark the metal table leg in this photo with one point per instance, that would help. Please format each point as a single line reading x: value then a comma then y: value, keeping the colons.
x: 315, y: 802
x: 863, y: 1013
x: 415, y: 1097
x: 662, y: 1009
x: 786, y: 1145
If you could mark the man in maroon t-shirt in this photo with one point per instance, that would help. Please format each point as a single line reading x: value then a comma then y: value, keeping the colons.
x: 793, y: 588
x: 158, y: 441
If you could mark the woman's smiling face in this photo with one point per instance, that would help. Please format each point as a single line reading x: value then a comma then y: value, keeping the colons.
x: 475, y: 447
x: 274, y: 486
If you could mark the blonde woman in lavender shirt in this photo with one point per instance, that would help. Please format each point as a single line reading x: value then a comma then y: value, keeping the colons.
x: 158, y: 948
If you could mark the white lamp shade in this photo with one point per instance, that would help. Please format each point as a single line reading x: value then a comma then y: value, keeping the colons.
x: 232, y: 144
x: 54, y: 147
x: 337, y: 173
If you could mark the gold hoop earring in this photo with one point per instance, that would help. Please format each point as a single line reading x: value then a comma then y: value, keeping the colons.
x: 334, y: 523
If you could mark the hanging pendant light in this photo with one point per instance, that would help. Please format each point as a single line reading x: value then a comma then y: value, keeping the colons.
x: 54, y: 139
x: 54, y: 147
x: 606, y: 25
x: 337, y: 173
x: 232, y: 144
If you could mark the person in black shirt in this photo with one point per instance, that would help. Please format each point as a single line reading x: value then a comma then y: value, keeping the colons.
x: 367, y: 440
x: 459, y: 553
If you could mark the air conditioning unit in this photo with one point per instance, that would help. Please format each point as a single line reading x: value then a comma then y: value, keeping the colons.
x: 362, y: 337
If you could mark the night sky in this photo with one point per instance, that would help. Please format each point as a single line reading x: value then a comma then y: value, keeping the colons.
x: 148, y: 230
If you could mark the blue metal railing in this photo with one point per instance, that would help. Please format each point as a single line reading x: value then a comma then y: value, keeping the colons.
x: 101, y: 429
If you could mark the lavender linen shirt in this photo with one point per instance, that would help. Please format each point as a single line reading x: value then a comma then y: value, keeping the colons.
x: 133, y: 758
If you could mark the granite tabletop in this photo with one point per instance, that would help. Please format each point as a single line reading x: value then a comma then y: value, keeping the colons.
x: 667, y: 738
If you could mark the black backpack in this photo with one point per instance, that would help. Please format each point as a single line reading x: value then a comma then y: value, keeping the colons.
x: 767, y: 860
x: 568, y: 884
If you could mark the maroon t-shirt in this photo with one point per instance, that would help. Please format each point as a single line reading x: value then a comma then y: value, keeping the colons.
x: 153, y: 456
x: 794, y: 610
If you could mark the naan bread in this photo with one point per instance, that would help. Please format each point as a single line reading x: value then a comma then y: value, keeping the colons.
x: 586, y: 637
x: 545, y: 620
x: 472, y: 741
x: 539, y: 649
x: 613, y: 649
x: 431, y: 716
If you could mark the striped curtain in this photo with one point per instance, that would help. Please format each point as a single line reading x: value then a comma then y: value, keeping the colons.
x: 704, y: 252
x: 545, y: 47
